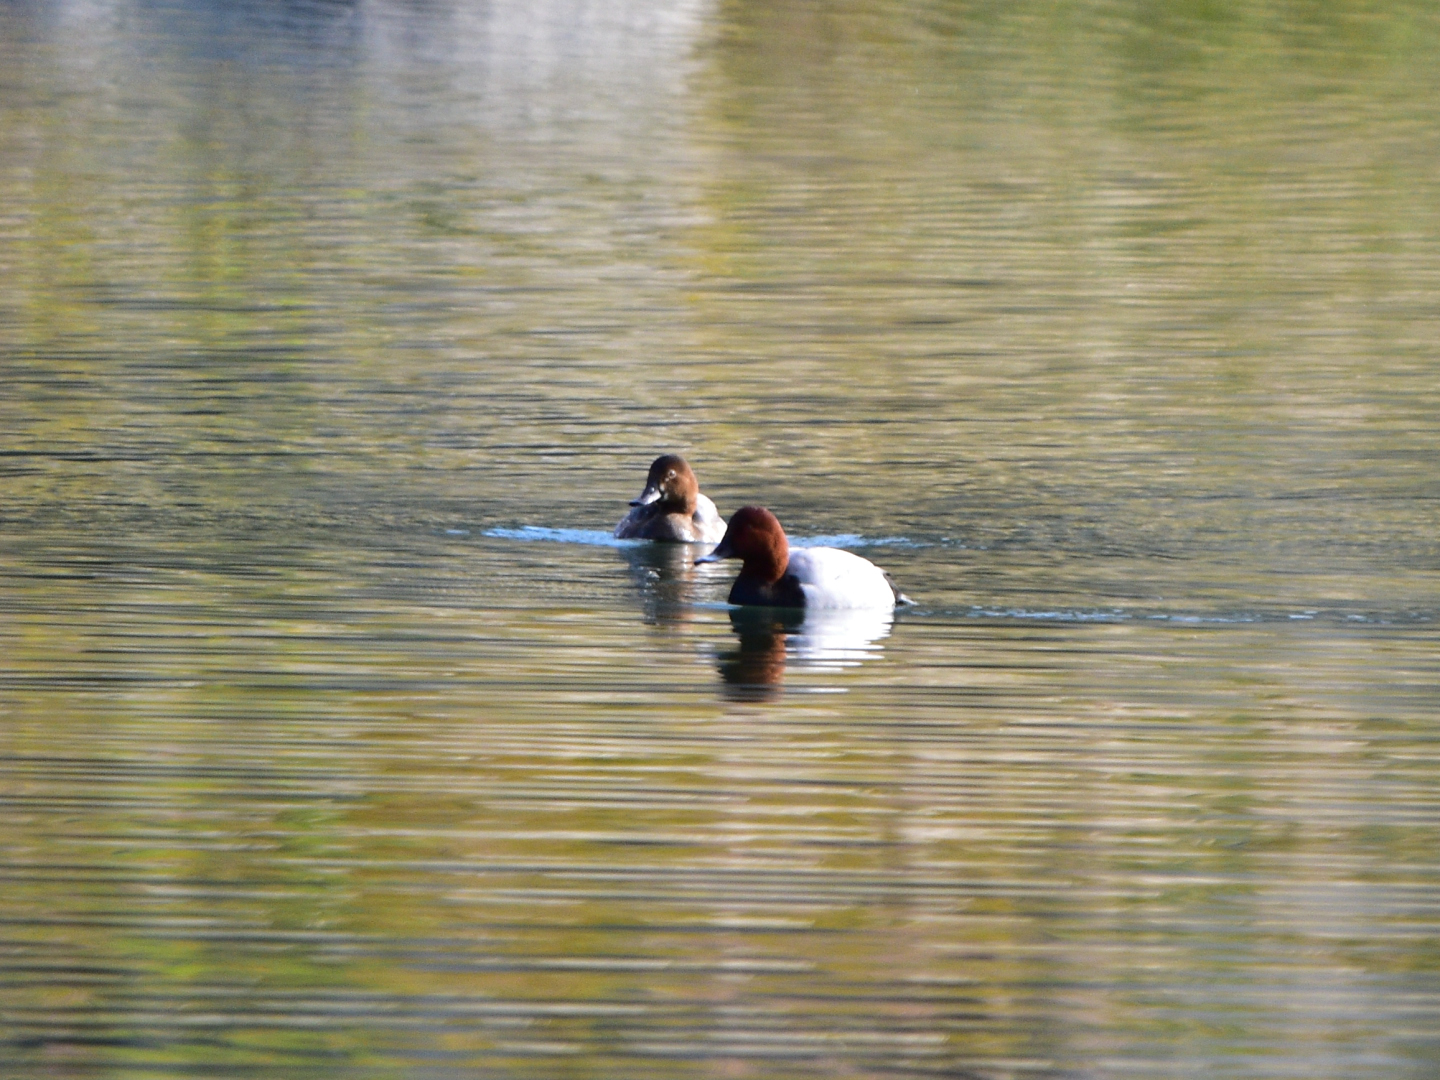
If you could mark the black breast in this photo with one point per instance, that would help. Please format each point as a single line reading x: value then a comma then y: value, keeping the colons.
x: 784, y: 593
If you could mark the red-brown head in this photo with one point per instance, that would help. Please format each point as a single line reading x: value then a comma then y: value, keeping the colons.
x: 754, y: 535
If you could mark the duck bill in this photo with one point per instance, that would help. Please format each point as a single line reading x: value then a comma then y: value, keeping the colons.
x: 720, y: 551
x: 649, y: 495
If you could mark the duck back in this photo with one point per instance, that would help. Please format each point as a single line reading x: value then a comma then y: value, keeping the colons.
x: 831, y: 578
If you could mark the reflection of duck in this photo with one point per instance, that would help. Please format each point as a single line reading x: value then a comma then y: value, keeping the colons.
x: 754, y: 670
x: 829, y: 640
x: 665, y: 575
x: 773, y: 576
x: 772, y: 639
x: 671, y: 507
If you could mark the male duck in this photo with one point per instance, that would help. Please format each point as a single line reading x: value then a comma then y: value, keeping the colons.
x: 775, y: 576
x: 671, y: 507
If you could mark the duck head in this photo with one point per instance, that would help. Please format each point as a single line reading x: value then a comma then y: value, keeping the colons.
x: 671, y: 484
x: 755, y: 537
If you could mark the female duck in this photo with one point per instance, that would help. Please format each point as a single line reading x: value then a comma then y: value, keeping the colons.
x: 671, y: 507
x: 774, y: 576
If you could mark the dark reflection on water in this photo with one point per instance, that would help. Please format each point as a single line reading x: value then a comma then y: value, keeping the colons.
x: 755, y: 668
x: 772, y: 639
x: 338, y: 738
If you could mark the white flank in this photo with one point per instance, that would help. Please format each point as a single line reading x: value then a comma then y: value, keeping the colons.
x: 831, y: 578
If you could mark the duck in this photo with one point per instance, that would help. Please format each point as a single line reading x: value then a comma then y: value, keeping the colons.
x: 671, y: 507
x: 771, y: 575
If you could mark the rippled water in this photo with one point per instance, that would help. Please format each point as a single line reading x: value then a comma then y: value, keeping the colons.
x: 338, y: 738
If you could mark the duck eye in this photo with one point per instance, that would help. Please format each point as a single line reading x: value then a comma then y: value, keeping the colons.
x: 670, y: 475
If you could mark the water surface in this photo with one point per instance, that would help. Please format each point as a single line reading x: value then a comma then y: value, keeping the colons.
x: 338, y: 738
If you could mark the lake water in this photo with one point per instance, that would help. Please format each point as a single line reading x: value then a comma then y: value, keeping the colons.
x: 337, y: 738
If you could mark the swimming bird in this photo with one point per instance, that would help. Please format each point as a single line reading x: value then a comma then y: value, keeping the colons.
x: 671, y: 507
x: 772, y: 575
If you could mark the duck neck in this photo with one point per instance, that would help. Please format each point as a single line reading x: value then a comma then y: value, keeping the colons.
x: 681, y: 503
x: 766, y: 566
